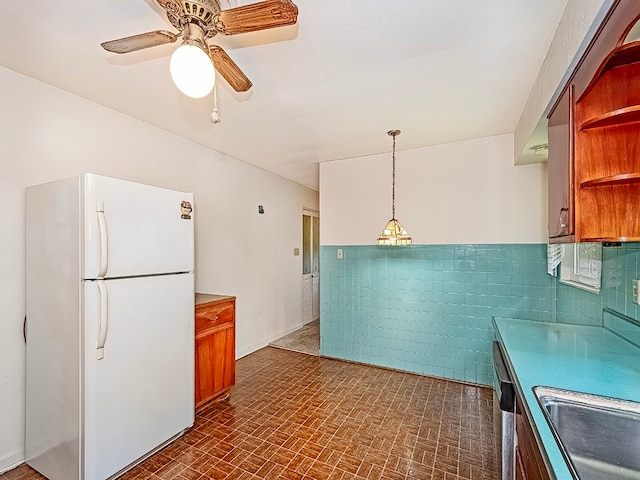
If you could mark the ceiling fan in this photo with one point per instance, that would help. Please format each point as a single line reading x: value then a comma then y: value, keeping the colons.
x: 194, y: 63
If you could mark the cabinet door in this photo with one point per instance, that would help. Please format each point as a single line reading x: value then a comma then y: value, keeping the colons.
x: 215, y: 363
x: 561, y: 208
x: 520, y: 474
x: 529, y: 462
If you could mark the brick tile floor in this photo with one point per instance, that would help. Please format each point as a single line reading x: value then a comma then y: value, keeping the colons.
x: 295, y: 416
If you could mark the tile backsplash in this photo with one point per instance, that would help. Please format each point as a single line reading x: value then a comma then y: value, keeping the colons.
x: 623, y: 326
x: 428, y: 308
x: 620, y: 265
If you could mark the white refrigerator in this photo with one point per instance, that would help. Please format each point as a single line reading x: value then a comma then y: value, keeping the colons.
x: 109, y: 328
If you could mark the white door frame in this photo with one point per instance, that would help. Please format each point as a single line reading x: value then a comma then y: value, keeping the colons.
x: 311, y: 267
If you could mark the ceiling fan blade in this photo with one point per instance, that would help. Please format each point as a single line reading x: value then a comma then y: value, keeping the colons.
x: 138, y: 42
x: 229, y: 70
x: 257, y: 16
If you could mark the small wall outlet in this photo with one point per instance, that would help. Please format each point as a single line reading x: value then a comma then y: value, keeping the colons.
x: 340, y: 253
x: 636, y: 291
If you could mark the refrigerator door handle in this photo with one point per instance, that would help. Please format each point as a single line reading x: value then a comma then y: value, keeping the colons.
x: 104, y: 318
x: 104, y: 251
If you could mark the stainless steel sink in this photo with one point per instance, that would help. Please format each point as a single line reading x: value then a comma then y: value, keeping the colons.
x: 599, y: 436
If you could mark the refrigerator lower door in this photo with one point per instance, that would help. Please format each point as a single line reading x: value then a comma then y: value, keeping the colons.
x: 130, y: 229
x: 138, y: 390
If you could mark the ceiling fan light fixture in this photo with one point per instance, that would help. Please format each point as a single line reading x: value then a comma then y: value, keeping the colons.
x: 194, y: 64
x: 192, y: 70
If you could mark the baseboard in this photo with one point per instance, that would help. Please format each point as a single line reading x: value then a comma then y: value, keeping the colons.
x: 12, y: 460
x: 462, y: 382
x: 263, y: 343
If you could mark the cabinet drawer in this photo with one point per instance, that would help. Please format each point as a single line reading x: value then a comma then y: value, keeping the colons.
x: 208, y: 316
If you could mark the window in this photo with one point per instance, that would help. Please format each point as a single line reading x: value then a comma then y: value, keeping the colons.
x: 581, y: 266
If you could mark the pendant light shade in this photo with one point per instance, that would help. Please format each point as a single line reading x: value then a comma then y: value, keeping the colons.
x: 394, y: 233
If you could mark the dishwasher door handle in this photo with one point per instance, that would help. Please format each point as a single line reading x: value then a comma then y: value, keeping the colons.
x: 498, y: 363
x: 506, y: 394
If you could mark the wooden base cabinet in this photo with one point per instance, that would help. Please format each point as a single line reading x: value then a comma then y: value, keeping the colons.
x: 215, y: 362
x: 529, y: 462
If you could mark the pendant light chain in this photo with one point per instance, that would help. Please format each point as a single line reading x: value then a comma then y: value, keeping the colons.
x: 215, y: 116
x: 393, y: 179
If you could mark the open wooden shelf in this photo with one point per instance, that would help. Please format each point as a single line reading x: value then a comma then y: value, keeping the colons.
x: 616, y: 117
x: 623, y: 179
x: 623, y: 55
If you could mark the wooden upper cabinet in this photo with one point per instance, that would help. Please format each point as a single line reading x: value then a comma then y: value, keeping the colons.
x: 594, y: 144
x: 561, y: 213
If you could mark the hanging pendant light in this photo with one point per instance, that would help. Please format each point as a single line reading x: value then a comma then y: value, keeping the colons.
x: 394, y: 233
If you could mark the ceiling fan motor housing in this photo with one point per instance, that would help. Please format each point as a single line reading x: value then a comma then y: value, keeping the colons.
x: 203, y: 13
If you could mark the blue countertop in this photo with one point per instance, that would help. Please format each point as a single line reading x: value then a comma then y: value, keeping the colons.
x: 587, y: 359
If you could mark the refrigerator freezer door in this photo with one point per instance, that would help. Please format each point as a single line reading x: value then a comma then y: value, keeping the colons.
x: 132, y: 229
x: 141, y: 392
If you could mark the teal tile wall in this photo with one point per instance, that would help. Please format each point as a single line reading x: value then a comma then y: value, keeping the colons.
x: 620, y: 265
x: 428, y: 308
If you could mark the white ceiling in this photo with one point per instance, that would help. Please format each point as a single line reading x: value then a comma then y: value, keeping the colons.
x: 327, y: 88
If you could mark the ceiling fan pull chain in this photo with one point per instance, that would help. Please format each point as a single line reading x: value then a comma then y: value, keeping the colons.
x: 215, y: 118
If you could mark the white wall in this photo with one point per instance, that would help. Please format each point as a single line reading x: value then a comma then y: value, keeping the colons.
x: 465, y: 192
x: 46, y: 134
x: 577, y: 27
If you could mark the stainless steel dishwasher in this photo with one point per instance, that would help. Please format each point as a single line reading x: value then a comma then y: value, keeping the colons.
x: 503, y: 414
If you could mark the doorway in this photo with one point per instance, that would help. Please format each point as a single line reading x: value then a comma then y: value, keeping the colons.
x: 307, y: 338
x: 310, y: 266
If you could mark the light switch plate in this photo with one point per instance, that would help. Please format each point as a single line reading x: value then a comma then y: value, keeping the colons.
x: 340, y: 253
x: 636, y: 291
